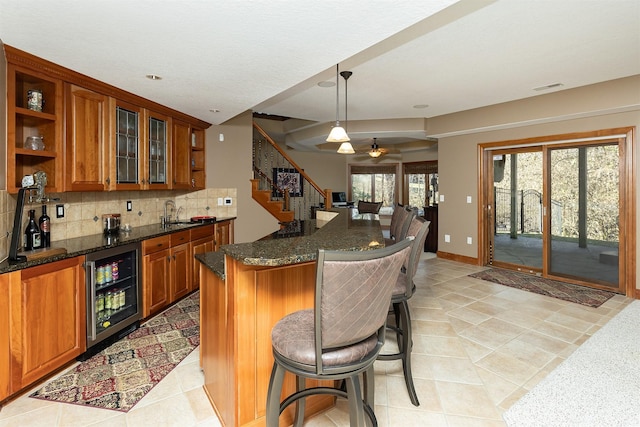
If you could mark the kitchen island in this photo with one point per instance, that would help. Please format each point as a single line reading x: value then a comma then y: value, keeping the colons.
x: 245, y: 289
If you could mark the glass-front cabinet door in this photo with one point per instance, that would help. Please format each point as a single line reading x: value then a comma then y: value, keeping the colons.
x: 126, y: 153
x: 157, y: 152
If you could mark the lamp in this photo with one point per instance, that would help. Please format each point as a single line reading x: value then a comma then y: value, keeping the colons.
x: 346, y: 148
x: 338, y: 133
x: 375, y: 150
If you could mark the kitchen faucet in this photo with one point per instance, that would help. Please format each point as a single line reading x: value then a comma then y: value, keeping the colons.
x: 167, y: 203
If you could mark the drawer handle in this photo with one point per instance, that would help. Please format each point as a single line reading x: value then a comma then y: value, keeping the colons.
x: 159, y: 244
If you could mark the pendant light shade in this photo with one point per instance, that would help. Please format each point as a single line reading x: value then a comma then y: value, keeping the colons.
x: 338, y: 134
x: 346, y: 148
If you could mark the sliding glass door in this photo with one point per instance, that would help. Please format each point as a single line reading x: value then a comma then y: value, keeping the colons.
x: 557, y: 209
x: 584, y: 213
x: 517, y: 207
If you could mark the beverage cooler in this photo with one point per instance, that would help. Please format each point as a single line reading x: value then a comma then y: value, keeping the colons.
x: 114, y: 295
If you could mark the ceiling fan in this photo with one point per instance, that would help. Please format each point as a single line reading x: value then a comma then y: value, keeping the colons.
x: 375, y: 152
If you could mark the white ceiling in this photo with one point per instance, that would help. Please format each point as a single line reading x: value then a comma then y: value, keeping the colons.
x: 268, y: 56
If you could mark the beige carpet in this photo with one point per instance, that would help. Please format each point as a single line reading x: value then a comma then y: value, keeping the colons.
x: 598, y: 384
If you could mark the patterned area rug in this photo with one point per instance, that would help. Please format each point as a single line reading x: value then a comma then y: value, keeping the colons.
x: 122, y: 374
x: 539, y: 285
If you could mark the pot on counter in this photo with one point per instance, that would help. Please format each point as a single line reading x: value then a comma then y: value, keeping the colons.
x: 111, y: 223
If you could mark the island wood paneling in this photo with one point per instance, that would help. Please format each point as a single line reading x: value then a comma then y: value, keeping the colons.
x: 237, y: 317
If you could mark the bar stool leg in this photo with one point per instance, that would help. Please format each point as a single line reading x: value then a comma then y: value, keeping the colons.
x: 407, y: 345
x: 273, y: 395
x: 300, y: 403
x: 356, y: 408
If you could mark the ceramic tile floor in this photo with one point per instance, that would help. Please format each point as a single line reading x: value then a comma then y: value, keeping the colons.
x: 478, y: 347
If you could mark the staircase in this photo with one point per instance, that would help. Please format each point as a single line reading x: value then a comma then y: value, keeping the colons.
x: 269, y: 163
x: 275, y: 207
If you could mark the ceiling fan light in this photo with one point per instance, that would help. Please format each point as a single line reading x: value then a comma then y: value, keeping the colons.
x: 346, y: 148
x: 375, y: 153
x: 338, y: 134
x: 375, y: 150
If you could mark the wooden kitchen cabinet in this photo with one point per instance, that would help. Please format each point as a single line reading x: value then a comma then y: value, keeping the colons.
x: 202, y: 241
x: 224, y: 233
x: 198, y: 176
x: 126, y: 149
x: 166, y: 270
x: 181, y: 157
x: 157, y: 151
x: 23, y: 122
x: 155, y: 274
x: 5, y: 351
x: 95, y: 135
x: 188, y: 157
x: 180, y: 265
x: 87, y: 119
x: 47, y: 316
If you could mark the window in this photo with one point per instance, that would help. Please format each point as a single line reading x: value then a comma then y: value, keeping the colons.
x: 374, y: 183
x: 420, y: 184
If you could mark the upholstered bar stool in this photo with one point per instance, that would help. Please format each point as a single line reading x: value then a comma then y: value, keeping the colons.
x: 418, y: 230
x: 400, y: 220
x: 339, y: 338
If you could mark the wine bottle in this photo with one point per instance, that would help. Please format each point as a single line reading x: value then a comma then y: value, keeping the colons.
x: 45, y: 228
x: 32, y: 233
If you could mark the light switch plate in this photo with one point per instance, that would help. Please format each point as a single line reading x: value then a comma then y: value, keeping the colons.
x: 59, y: 211
x: 469, y: 241
x: 129, y: 206
x: 442, y: 197
x: 468, y: 199
x: 447, y: 238
x: 220, y: 201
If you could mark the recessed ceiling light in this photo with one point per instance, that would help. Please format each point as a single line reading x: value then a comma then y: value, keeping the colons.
x: 154, y: 77
x: 214, y: 110
x: 327, y: 83
x: 551, y: 86
x: 421, y: 106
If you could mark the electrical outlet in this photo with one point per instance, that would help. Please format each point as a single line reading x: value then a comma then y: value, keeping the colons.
x: 59, y: 211
x: 129, y: 206
x: 469, y: 241
x: 447, y: 238
x: 227, y: 201
x: 442, y: 197
x: 468, y: 199
x: 220, y: 201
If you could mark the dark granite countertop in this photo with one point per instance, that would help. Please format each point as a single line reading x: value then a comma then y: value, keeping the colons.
x: 299, y: 242
x: 96, y: 242
x: 214, y: 261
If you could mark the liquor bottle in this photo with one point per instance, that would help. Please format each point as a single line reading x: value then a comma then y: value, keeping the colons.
x: 45, y: 228
x: 32, y: 233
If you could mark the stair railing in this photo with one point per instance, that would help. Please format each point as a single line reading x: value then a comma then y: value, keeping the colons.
x: 288, y: 182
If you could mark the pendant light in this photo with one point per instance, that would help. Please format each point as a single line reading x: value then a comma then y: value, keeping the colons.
x: 338, y: 133
x: 375, y: 150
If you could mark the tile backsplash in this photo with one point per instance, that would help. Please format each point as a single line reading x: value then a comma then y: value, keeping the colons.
x: 83, y: 211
